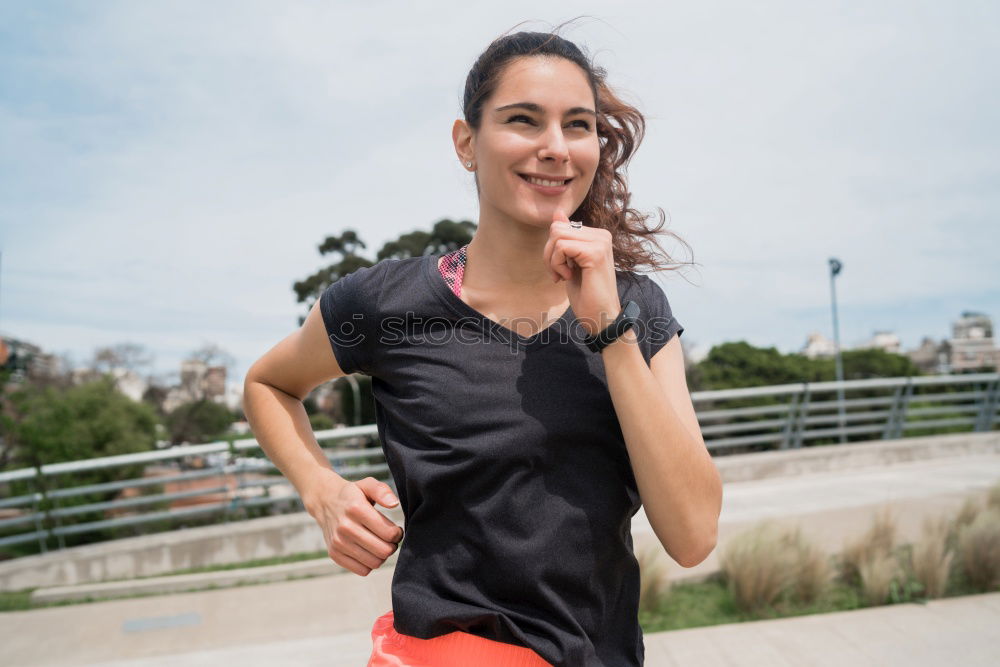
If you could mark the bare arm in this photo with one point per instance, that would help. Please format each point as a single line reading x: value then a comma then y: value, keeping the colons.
x: 357, y: 536
x: 273, y: 391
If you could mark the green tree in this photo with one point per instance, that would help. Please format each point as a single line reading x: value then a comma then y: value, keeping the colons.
x: 48, y: 423
x: 199, y: 421
x: 875, y: 363
x: 739, y: 364
x: 51, y: 425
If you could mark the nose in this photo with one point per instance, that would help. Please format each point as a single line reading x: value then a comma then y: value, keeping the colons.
x: 553, y: 146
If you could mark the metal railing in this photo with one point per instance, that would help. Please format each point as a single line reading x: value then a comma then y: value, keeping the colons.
x: 53, y: 506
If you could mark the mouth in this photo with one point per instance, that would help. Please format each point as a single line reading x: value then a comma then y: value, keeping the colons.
x: 552, y: 185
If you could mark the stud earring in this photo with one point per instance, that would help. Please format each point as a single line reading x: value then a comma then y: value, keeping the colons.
x: 468, y: 165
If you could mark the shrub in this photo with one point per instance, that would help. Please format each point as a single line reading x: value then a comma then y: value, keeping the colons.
x: 757, y: 566
x: 874, y: 545
x: 811, y: 575
x: 655, y: 583
x: 931, y: 557
x: 979, y: 550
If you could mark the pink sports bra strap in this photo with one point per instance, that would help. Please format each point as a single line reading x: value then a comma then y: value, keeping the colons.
x: 452, y: 268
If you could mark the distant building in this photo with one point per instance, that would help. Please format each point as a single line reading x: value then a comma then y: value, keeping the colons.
x: 199, y: 381
x: 817, y: 345
x: 972, y: 344
x: 886, y: 341
x: 23, y: 359
x: 931, y: 357
x: 970, y: 348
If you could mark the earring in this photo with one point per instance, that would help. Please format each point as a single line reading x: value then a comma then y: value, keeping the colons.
x: 468, y: 165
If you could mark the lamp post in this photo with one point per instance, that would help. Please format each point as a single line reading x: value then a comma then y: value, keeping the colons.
x: 356, y: 390
x: 835, y: 267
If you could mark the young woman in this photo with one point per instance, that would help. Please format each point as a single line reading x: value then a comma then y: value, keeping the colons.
x: 530, y: 392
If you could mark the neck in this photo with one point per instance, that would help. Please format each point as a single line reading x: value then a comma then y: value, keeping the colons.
x: 507, y: 255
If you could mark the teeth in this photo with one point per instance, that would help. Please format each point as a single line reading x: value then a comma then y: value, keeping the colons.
x: 544, y: 183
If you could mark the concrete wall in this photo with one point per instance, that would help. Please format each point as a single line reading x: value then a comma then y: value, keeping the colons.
x: 297, y: 533
x: 160, y: 553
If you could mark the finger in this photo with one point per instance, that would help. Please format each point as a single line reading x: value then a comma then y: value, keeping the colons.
x: 351, y: 564
x: 559, y: 261
x: 377, y: 491
x: 547, y: 251
x: 560, y: 216
x: 374, y: 522
x: 366, y: 547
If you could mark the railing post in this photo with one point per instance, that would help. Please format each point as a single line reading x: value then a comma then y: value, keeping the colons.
x: 803, y: 415
x: 904, y: 407
x: 889, y: 430
x: 988, y: 406
x: 43, y: 547
x: 43, y: 493
x: 788, y: 431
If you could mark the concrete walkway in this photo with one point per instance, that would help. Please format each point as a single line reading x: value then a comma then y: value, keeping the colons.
x: 955, y: 631
x: 327, y: 620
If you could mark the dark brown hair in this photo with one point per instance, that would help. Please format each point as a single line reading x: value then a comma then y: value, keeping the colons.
x: 620, y: 129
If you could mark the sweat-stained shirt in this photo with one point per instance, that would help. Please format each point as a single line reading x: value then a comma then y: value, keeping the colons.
x: 508, y: 460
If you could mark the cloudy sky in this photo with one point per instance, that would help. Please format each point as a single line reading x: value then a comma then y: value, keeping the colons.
x: 168, y: 168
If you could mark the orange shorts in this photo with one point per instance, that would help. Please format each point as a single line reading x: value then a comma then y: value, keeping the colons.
x: 455, y: 649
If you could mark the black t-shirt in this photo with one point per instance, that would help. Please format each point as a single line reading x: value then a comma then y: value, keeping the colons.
x: 509, y: 463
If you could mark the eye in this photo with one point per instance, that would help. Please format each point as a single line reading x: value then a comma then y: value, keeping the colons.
x: 581, y: 123
x: 522, y: 117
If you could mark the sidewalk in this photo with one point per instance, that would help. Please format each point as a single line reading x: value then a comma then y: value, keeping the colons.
x: 327, y: 620
x: 963, y: 631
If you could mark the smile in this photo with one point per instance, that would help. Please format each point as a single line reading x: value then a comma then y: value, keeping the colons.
x: 546, y: 184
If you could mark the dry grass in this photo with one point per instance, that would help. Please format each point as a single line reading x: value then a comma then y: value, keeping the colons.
x: 811, y: 574
x: 655, y: 582
x: 979, y: 549
x: 966, y: 514
x: 860, y: 556
x: 877, y: 574
x: 931, y: 557
x: 758, y: 566
x: 993, y: 497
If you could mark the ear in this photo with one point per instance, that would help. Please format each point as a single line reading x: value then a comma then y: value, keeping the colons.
x: 461, y: 135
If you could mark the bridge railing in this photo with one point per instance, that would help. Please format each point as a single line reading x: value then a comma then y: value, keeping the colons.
x: 60, y: 503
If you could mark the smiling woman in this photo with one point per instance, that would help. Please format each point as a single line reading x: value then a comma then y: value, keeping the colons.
x: 530, y: 392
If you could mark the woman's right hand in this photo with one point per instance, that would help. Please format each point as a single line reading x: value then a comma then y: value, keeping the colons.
x: 358, y: 537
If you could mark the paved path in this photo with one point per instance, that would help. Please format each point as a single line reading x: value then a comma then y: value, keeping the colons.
x: 327, y: 620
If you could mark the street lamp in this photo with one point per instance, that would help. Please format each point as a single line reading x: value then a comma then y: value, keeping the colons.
x: 357, y: 397
x: 835, y: 267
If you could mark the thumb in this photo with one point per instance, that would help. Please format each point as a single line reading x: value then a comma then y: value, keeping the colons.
x: 559, y: 216
x: 377, y: 491
x: 386, y: 497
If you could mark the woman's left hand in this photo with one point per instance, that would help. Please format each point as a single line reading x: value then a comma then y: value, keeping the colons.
x: 584, y: 258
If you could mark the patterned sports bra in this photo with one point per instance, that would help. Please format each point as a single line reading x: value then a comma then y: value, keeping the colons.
x: 452, y: 268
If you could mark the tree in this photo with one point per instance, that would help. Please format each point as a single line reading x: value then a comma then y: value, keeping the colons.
x: 732, y: 365
x: 199, y: 421
x: 50, y: 425
x: 740, y: 364
x: 130, y: 356
x: 45, y: 424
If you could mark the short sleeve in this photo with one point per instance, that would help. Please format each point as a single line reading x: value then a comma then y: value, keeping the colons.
x: 659, y: 323
x: 350, y: 313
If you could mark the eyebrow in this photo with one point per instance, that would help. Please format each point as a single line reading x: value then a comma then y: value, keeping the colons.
x: 531, y: 106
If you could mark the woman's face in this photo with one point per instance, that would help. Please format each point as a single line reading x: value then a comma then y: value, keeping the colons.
x: 536, y: 150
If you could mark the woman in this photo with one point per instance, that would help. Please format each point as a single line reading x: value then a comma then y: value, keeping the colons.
x: 530, y: 392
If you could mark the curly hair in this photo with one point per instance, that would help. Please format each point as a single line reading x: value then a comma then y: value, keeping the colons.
x: 620, y: 129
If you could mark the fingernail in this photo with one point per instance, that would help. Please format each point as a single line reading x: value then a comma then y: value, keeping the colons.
x: 389, y: 500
